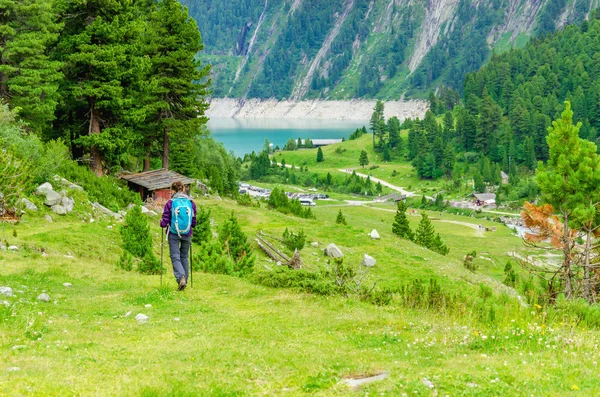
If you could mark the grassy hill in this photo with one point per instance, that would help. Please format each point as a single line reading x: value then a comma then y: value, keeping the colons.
x: 233, y: 337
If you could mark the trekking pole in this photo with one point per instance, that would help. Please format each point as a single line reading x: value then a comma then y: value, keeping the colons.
x: 162, y: 243
x: 191, y: 265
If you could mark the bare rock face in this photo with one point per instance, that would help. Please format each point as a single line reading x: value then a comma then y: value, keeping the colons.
x: 333, y: 251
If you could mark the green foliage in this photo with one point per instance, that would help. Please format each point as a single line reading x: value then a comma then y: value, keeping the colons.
x: 340, y: 219
x: 125, y: 261
x: 468, y: 261
x: 202, y: 231
x: 294, y: 241
x: 510, y: 274
x: 108, y: 191
x: 149, y: 264
x: 236, y: 247
x: 15, y: 181
x: 245, y: 200
x: 279, y: 201
x: 363, y: 159
x: 401, y: 227
x: 210, y: 258
x: 135, y: 234
x: 426, y: 236
x: 319, y: 155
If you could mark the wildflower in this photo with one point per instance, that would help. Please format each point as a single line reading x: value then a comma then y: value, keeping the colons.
x: 575, y: 387
x: 538, y: 306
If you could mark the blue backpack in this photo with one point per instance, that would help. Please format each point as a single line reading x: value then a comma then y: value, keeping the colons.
x: 181, y: 216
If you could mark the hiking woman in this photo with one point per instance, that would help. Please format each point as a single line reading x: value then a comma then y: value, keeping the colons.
x: 179, y: 217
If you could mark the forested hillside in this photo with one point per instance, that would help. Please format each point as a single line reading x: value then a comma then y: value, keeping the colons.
x: 343, y: 49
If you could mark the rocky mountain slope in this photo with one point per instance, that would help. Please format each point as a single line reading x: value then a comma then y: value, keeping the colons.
x: 342, y: 49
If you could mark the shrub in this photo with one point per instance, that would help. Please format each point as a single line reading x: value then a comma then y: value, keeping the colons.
x: 235, y: 244
x: 125, y: 261
x: 202, y: 231
x: 294, y: 241
x: 340, y: 219
x: 135, y: 233
x: 245, y: 200
x: 469, y: 263
x: 300, y: 280
x: 149, y: 264
x: 210, y: 259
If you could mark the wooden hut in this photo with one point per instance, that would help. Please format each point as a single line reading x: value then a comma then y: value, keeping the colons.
x: 156, y: 184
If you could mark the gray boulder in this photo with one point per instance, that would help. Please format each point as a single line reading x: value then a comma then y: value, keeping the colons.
x: 314, y: 244
x: 105, y: 210
x: 368, y: 261
x: 374, y: 235
x: 333, y: 251
x: 13, y: 248
x: 28, y: 205
x: 68, y: 285
x: 52, y: 198
x: 44, y: 188
x: 48, y: 218
x: 6, y: 291
x: 43, y: 297
x: 66, y: 206
x: 67, y: 184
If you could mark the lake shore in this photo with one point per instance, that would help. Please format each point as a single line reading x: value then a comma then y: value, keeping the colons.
x: 315, y: 109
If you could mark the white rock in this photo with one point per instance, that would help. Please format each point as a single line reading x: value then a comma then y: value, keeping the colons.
x: 148, y: 305
x: 314, y: 244
x: 13, y: 248
x: 109, y: 227
x: 19, y: 347
x: 472, y: 384
x: 43, y: 297
x: 68, y: 184
x: 6, y: 291
x: 68, y: 285
x: 368, y: 261
x: 2, y: 247
x: 48, y: 218
x: 28, y: 204
x: 44, y: 188
x: 58, y: 209
x: 176, y: 319
x: 68, y: 203
x: 105, y: 210
x: 52, y: 198
x: 374, y: 235
x: 428, y: 383
x: 145, y: 210
x: 142, y: 318
x: 127, y: 314
x: 333, y: 251
x: 5, y: 303
x: 13, y: 369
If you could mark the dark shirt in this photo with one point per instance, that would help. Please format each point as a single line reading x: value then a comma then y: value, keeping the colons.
x: 166, y: 217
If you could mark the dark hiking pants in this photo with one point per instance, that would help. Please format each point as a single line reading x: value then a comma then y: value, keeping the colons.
x: 179, y: 248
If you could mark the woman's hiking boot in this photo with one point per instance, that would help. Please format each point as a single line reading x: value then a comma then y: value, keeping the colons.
x: 182, y: 284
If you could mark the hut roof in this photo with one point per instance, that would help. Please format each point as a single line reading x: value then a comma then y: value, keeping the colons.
x: 157, y: 179
x: 485, y: 196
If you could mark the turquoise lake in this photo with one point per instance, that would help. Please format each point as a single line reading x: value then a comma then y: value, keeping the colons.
x: 246, y: 135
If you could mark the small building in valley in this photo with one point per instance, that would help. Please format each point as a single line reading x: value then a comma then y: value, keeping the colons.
x: 156, y: 184
x: 485, y: 199
x: 322, y: 142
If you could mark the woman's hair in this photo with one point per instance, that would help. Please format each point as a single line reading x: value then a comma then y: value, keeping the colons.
x: 177, y: 187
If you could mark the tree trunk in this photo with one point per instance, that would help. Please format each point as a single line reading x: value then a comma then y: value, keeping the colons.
x: 165, y: 156
x: 95, y: 155
x: 588, y: 292
x: 146, y: 157
x: 568, y: 274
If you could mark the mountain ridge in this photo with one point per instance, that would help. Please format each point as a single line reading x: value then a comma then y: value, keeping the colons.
x: 345, y: 49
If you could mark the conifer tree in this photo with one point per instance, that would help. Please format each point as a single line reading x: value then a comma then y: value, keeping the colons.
x: 340, y: 219
x: 29, y: 79
x: 202, y: 231
x: 425, y: 233
x: 319, y: 155
x: 177, y: 84
x: 135, y: 233
x: 401, y: 227
x: 364, y: 158
x: 235, y: 244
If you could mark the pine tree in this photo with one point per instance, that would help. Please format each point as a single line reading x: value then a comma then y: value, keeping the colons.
x: 340, y: 219
x: 177, y: 83
x: 401, y: 227
x: 363, y: 159
x: 235, y: 244
x: 135, y: 233
x: 425, y: 233
x: 439, y: 246
x: 202, y: 231
x: 29, y: 79
x: 97, y: 47
x: 529, y: 151
x: 319, y: 155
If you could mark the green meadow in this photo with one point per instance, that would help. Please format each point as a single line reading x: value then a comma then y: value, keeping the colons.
x: 228, y: 336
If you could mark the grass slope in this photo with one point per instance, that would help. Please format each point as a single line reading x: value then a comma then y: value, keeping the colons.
x: 235, y: 338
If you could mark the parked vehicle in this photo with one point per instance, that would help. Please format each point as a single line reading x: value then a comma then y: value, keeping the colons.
x: 307, y: 201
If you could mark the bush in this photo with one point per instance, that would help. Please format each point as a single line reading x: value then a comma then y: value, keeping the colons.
x: 149, y: 264
x: 210, y: 259
x: 125, y: 261
x: 245, y: 200
x: 135, y: 233
x: 235, y: 244
x: 300, y: 280
x: 294, y: 241
x: 340, y: 219
x: 108, y: 191
x: 468, y: 261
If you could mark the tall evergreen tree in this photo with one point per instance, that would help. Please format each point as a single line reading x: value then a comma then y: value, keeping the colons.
x: 177, y: 83
x: 319, y: 155
x: 363, y: 159
x: 425, y: 233
x: 29, y: 79
x: 401, y: 227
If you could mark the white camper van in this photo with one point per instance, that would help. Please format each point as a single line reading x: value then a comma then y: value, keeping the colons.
x: 307, y: 201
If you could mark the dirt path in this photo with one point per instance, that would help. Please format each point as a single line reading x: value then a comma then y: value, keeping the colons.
x: 383, y: 183
x: 479, y: 232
